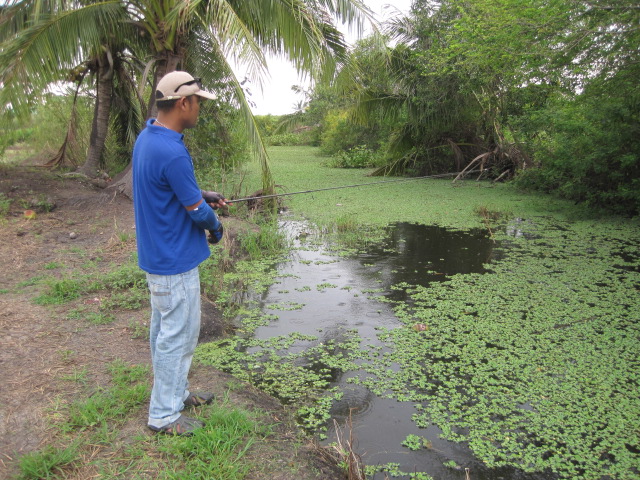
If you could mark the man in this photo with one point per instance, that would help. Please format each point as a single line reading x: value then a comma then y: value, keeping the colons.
x: 172, y: 214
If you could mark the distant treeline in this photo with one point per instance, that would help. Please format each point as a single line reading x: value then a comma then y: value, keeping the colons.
x: 547, y: 95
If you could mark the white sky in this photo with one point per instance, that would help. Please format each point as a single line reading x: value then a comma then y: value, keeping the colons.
x: 277, y: 97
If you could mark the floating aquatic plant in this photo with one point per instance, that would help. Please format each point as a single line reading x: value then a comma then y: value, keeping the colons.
x: 535, y: 365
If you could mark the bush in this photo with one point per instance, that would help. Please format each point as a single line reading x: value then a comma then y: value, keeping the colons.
x: 587, y: 150
x: 218, y: 144
x: 356, y: 157
x: 339, y: 134
x: 13, y: 135
x: 285, y: 139
x: 50, y: 124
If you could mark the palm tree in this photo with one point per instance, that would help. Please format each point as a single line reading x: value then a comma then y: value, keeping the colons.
x: 190, y: 34
x: 202, y: 37
x: 49, y: 42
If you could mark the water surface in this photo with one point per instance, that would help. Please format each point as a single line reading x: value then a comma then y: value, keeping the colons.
x: 322, y: 294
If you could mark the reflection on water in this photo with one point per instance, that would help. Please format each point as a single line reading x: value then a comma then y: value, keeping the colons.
x: 333, y: 295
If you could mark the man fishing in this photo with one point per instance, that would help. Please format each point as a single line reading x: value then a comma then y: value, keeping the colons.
x: 171, y: 215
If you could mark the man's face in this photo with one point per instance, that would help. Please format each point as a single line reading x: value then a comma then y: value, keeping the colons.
x: 191, y: 110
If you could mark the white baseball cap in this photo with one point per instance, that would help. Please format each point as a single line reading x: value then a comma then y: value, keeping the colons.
x: 180, y: 84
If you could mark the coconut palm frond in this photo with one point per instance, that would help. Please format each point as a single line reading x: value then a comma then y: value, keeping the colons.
x: 354, y: 13
x: 253, y: 133
x: 234, y: 37
x: 48, y: 50
x: 16, y: 16
x: 378, y: 105
x: 401, y: 28
x: 352, y: 74
x: 290, y: 122
x: 299, y: 30
x: 128, y: 106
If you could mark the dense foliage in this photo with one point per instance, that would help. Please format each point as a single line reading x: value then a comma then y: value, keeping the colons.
x: 547, y: 90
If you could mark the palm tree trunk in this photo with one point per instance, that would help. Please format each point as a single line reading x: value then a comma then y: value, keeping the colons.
x: 170, y: 63
x: 122, y: 183
x: 100, y: 125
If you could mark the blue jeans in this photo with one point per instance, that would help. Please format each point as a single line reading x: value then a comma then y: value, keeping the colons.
x: 175, y: 326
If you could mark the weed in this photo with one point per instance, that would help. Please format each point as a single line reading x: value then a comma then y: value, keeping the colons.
x: 286, y: 306
x: 345, y: 450
x: 346, y: 223
x: 131, y: 299
x: 234, y: 385
x: 127, y: 275
x: 31, y: 282
x: 60, y: 291
x: 420, y: 476
x: 53, y: 265
x: 217, y: 450
x: 5, y: 204
x: 77, y: 251
x: 264, y: 243
x: 77, y: 376
x: 414, y: 442
x: 124, y: 374
x: 47, y: 463
x: 66, y: 355
x: 99, y: 318
x: 113, y: 404
x: 42, y: 203
x: 124, y: 237
x: 451, y: 464
x: 138, y: 330
x: 356, y: 157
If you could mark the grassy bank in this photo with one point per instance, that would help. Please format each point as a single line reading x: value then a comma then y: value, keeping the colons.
x: 75, y: 337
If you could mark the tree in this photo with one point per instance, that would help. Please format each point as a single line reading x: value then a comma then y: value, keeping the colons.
x: 470, y: 82
x: 49, y: 42
x: 199, y: 36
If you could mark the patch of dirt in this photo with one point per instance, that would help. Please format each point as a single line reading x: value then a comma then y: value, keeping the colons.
x: 50, y: 356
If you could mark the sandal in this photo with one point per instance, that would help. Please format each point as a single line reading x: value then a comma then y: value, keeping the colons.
x: 182, y: 426
x: 197, y: 399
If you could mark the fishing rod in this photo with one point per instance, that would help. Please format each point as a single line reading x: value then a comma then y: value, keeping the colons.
x: 246, y: 199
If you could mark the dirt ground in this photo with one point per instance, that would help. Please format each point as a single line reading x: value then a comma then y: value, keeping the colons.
x: 41, y: 347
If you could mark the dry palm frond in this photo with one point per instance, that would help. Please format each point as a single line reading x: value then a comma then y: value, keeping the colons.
x: 70, y: 138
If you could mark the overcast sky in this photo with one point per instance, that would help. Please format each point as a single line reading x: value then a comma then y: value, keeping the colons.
x: 277, y: 98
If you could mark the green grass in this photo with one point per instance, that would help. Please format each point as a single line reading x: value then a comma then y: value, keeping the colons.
x: 91, y: 436
x: 5, y: 204
x: 60, y: 291
x: 266, y: 242
x: 53, y: 265
x: 49, y: 462
x: 432, y: 202
x: 129, y: 391
x: 126, y: 282
x: 217, y: 450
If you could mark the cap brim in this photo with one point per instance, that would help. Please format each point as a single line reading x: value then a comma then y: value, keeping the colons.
x: 204, y: 94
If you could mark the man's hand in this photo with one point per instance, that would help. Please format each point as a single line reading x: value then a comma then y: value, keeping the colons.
x: 215, y: 235
x: 214, y: 199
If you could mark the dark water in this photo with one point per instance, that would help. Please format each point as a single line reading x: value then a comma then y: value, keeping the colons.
x: 416, y: 254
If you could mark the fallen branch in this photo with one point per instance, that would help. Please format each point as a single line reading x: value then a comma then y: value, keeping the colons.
x: 480, y: 158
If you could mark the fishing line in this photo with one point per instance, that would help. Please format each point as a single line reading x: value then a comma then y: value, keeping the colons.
x: 245, y: 199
